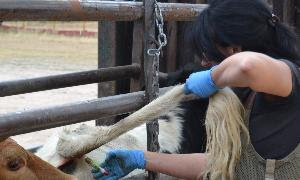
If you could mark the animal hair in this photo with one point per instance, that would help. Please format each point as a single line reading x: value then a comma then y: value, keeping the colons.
x: 224, y: 126
x: 170, y: 137
x: 68, y: 145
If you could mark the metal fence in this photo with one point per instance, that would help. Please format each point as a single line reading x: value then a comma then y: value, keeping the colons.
x: 142, y: 72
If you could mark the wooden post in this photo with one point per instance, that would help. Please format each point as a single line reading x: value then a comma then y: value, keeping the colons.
x: 151, y: 65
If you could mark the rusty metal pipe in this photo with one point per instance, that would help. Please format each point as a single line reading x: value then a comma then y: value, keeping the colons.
x: 151, y: 69
x: 90, y: 10
x: 50, y: 117
x: 67, y: 80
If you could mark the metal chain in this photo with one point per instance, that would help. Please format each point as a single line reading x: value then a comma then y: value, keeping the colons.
x: 161, y: 37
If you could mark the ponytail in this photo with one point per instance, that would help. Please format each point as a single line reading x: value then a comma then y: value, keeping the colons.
x: 246, y: 23
x: 287, y: 43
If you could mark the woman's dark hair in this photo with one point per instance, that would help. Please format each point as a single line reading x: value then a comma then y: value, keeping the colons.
x: 245, y: 23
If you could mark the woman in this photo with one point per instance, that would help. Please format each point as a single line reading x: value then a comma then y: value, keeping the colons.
x: 248, y: 48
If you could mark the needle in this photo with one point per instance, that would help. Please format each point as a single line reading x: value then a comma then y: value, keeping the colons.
x: 95, y: 166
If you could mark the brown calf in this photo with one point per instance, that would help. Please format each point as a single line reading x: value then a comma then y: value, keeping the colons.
x: 18, y: 164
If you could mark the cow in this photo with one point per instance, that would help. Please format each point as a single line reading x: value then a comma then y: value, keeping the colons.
x: 225, y: 109
x: 18, y: 164
x: 182, y: 130
x: 176, y: 135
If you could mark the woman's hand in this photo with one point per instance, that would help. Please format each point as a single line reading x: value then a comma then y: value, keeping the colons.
x: 201, y: 84
x: 119, y: 163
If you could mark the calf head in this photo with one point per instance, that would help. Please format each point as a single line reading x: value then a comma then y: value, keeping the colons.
x: 18, y: 164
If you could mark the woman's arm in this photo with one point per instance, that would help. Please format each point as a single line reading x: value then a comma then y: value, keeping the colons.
x: 186, y: 166
x: 258, y: 71
x: 120, y: 162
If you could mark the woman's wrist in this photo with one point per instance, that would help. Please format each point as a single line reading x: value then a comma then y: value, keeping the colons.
x: 140, y: 159
x: 201, y: 83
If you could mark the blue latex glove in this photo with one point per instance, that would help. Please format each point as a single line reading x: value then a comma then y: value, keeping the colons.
x: 201, y: 84
x: 119, y: 163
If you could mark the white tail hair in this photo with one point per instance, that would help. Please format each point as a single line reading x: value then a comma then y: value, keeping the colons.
x: 224, y: 126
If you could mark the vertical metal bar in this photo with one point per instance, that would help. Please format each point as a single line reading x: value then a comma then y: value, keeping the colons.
x: 200, y: 1
x: 123, y: 48
x: 123, y: 56
x: 297, y: 17
x: 137, y: 54
x: 172, y: 45
x: 151, y: 66
x: 106, y: 58
x: 289, y: 12
x: 285, y: 10
x: 184, y: 55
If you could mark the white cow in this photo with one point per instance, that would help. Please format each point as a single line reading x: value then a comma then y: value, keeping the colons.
x: 172, y: 134
x: 170, y: 138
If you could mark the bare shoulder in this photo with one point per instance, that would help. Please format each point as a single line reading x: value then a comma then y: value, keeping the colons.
x: 268, y: 74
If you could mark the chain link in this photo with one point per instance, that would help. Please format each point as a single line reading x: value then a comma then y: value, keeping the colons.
x: 161, y: 37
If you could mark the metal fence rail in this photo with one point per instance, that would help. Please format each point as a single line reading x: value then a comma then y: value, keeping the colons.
x: 50, y: 117
x: 90, y: 10
x: 67, y: 80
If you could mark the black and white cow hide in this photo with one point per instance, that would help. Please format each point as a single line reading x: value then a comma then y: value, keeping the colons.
x: 180, y: 131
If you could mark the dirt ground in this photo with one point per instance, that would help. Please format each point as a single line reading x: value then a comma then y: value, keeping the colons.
x: 25, y: 55
x: 56, y: 25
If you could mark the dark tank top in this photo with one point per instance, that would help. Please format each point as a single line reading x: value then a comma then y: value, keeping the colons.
x: 275, y: 121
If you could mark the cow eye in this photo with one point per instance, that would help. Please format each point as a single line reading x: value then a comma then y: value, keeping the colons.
x: 15, y: 164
